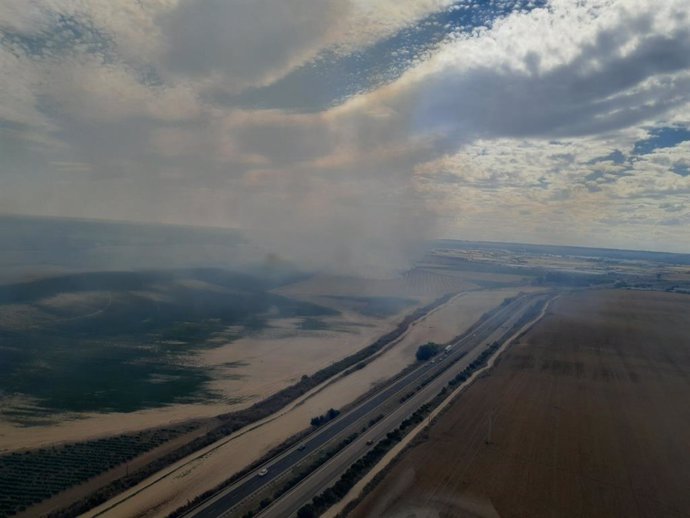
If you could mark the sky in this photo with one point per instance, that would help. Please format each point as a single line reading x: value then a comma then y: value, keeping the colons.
x: 345, y: 131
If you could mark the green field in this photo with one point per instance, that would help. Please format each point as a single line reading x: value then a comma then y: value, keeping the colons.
x: 135, y: 351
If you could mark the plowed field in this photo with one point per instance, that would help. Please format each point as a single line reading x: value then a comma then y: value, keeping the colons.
x: 590, y: 417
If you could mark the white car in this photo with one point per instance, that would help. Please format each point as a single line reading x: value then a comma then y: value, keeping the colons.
x: 263, y: 472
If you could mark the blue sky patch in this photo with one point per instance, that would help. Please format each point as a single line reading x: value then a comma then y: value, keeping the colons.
x: 332, y: 78
x: 662, y: 137
x: 66, y: 34
x: 617, y: 157
x: 681, y: 169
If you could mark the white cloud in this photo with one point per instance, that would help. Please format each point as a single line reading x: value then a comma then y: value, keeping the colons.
x: 574, y: 69
x: 502, y: 132
x: 88, y: 89
x: 238, y: 44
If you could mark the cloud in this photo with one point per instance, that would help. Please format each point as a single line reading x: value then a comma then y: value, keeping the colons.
x: 237, y: 44
x: 518, y: 122
x: 246, y: 43
x: 568, y: 70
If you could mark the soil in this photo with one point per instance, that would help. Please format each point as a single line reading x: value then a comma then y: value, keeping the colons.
x: 589, y: 417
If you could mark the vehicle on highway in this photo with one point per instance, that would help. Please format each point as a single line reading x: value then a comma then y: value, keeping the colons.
x: 370, y: 442
x: 301, y: 447
x: 263, y: 472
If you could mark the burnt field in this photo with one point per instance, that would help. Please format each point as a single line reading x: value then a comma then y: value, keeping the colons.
x: 123, y: 341
x: 589, y: 415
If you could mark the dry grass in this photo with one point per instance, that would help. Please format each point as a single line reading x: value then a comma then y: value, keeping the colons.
x: 591, y: 418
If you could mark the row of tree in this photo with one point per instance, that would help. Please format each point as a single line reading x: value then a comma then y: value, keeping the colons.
x: 323, y: 419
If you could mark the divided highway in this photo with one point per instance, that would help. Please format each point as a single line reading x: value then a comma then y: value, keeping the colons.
x: 437, y: 373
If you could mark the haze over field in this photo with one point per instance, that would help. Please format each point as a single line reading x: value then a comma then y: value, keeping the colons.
x: 340, y: 133
x: 251, y: 249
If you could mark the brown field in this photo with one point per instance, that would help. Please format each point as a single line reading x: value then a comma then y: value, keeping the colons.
x: 591, y: 418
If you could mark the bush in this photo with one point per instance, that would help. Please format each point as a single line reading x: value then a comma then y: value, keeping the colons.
x: 427, y: 351
x: 322, y: 419
x: 306, y: 511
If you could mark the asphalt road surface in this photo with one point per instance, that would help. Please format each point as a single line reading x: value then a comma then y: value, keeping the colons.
x: 462, y: 353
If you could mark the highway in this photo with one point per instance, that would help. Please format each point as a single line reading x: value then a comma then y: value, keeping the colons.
x: 462, y: 353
